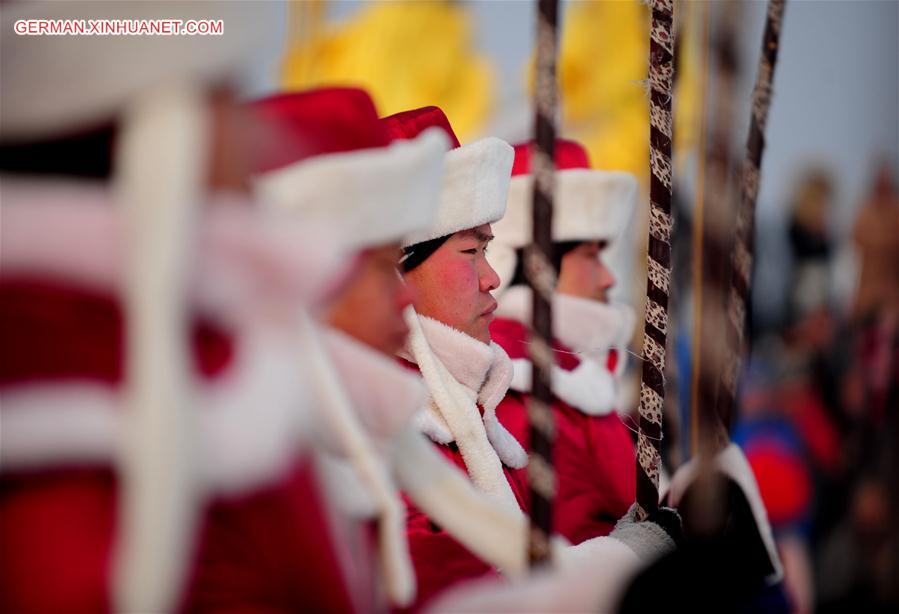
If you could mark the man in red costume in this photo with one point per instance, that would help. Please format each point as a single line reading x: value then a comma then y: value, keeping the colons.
x: 449, y: 343
x: 593, y: 453
x: 334, y: 164
x: 468, y: 378
x: 147, y: 387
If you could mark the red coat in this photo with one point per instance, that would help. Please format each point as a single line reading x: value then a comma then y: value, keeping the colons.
x: 270, y: 551
x: 267, y: 550
x: 593, y: 456
x: 440, y: 561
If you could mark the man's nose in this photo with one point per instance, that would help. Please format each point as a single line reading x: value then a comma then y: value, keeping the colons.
x: 487, y: 277
x: 607, y: 279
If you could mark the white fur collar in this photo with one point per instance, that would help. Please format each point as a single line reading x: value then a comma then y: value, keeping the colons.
x: 591, y: 329
x: 589, y: 387
x: 484, y: 370
x: 343, y: 431
x: 587, y: 327
x: 384, y: 399
x: 384, y: 395
x: 453, y: 414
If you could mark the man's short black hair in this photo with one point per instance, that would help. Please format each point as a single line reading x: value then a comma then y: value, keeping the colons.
x: 414, y: 255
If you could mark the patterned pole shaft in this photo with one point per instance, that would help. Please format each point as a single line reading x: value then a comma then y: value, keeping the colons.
x: 542, y: 278
x: 652, y: 384
x: 716, y: 232
x: 742, y: 254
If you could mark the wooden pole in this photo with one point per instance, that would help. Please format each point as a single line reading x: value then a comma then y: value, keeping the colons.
x: 655, y: 331
x: 542, y: 279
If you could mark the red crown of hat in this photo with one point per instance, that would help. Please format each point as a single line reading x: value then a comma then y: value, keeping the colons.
x: 318, y: 122
x: 334, y: 160
x: 569, y: 154
x: 476, y: 176
x: 409, y: 124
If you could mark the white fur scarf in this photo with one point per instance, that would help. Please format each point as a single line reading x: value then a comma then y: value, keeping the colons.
x: 460, y: 373
x: 591, y: 329
x: 340, y: 419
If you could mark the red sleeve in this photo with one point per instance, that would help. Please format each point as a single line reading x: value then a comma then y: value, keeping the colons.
x: 439, y: 560
x: 56, y: 531
x: 596, y: 468
x: 269, y: 552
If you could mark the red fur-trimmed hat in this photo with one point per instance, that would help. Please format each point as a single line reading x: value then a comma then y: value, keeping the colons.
x: 336, y: 162
x: 590, y: 204
x: 476, y: 176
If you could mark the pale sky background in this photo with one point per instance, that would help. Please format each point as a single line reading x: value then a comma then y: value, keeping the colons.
x: 836, y: 100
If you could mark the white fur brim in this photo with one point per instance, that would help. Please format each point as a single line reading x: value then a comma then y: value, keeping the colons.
x: 56, y: 83
x: 590, y: 205
x: 475, y: 188
x: 376, y: 195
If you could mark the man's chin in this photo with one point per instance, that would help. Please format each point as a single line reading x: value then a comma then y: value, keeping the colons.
x: 480, y: 331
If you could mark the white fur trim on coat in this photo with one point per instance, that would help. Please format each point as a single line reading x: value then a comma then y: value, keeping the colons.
x: 375, y: 195
x: 457, y: 402
x: 252, y: 420
x: 384, y: 395
x: 484, y: 372
x: 589, y: 387
x: 475, y: 187
x: 591, y: 329
x: 586, y: 326
x: 732, y: 462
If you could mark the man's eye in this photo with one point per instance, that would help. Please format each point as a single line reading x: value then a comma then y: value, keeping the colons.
x: 473, y: 251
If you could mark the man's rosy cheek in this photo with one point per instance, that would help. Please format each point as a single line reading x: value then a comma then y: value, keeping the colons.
x: 458, y: 275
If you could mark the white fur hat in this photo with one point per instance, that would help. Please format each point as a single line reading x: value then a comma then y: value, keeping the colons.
x: 337, y: 164
x: 476, y: 177
x: 590, y: 205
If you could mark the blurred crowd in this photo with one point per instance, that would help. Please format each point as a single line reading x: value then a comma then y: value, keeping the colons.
x: 818, y: 414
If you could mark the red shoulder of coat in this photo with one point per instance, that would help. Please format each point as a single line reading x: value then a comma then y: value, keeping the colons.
x: 512, y: 336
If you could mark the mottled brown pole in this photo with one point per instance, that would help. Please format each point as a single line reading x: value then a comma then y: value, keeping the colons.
x: 742, y: 253
x: 655, y: 331
x: 542, y: 279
